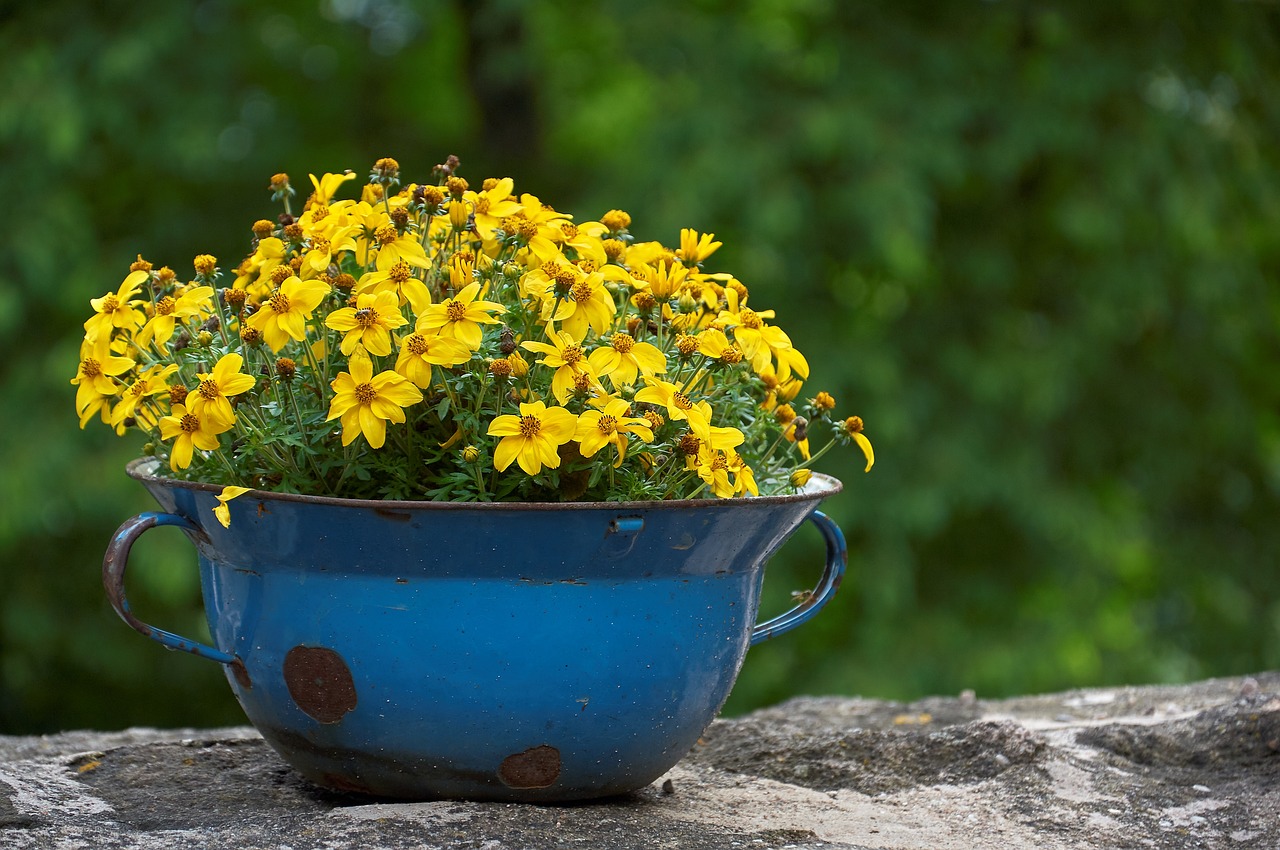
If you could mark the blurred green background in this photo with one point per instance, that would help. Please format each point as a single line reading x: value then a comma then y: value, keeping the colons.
x: 1035, y: 246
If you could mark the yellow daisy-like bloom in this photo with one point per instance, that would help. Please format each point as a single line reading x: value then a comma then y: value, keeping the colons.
x: 623, y: 360
x: 395, y: 247
x: 694, y: 248
x: 761, y: 342
x: 566, y: 356
x: 195, y: 303
x: 327, y: 185
x: 369, y: 323
x: 283, y: 315
x: 222, y: 511
x: 584, y: 240
x: 211, y: 398
x: 532, y: 438
x: 852, y: 428
x: 116, y: 309
x: 714, y: 344
x: 418, y: 352
x: 662, y: 280
x: 460, y: 317
x: 364, y: 401
x: 189, y: 432
x: 589, y: 305
x: 491, y: 206
x: 400, y: 280
x: 678, y: 405
x: 95, y: 378
x: 598, y: 428
x: 324, y: 250
x: 152, y: 381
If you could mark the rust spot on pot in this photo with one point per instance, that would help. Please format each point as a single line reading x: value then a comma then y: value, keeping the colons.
x: 345, y: 784
x: 536, y: 767
x: 319, y: 682
x: 241, y: 674
x: 398, y: 516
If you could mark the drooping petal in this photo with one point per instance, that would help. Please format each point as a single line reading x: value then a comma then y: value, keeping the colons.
x: 373, y: 428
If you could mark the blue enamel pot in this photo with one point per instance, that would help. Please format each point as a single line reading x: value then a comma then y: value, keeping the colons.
x: 508, y: 651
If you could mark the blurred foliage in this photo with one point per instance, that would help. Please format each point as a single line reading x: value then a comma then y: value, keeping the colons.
x: 1038, y: 251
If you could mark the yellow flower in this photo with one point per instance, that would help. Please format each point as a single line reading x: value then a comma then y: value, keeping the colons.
x: 365, y: 402
x: 222, y: 511
x: 566, y: 356
x: 533, y: 437
x: 852, y: 428
x: 678, y: 405
x: 598, y: 428
x: 191, y: 432
x: 395, y: 247
x: 210, y: 398
x: 588, y: 305
x: 694, y: 248
x: 95, y: 378
x: 491, y: 206
x: 662, y: 281
x: 760, y: 342
x: 418, y: 352
x: 324, y: 249
x: 330, y: 183
x: 369, y: 323
x: 623, y: 360
x: 116, y: 309
x: 800, y: 477
x: 460, y: 317
x: 195, y: 303
x: 714, y: 344
x: 400, y: 280
x: 284, y: 314
x: 152, y: 381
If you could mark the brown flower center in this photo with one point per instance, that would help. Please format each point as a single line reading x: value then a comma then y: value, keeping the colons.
x: 607, y: 425
x: 400, y: 273
x: 416, y: 344
x: 681, y: 401
x: 367, y: 317
x: 456, y: 311
x: 622, y: 343
x: 189, y: 423
x: 209, y: 389
x: 278, y: 302
x: 365, y: 393
x: 750, y: 319
x: 90, y: 368
x: 165, y: 306
x: 110, y: 303
x: 571, y: 354
x: 530, y: 425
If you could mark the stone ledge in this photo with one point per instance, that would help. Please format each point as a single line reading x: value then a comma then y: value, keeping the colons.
x: 1191, y: 766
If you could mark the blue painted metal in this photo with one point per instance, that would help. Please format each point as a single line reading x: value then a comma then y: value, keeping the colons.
x: 511, y: 651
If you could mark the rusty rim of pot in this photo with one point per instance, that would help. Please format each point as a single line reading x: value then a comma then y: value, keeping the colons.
x: 819, y: 487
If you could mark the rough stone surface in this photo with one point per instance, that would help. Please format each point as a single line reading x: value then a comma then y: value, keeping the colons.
x: 1194, y: 766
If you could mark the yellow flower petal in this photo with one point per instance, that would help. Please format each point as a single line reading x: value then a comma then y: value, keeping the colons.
x: 222, y: 511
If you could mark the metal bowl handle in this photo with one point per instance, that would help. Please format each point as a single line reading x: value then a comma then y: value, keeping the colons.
x: 113, y: 566
x: 837, y: 560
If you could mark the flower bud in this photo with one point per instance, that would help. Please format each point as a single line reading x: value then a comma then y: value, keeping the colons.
x: 458, y: 215
x: 204, y: 338
x: 470, y: 454
x: 205, y: 264
x: 800, y: 477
